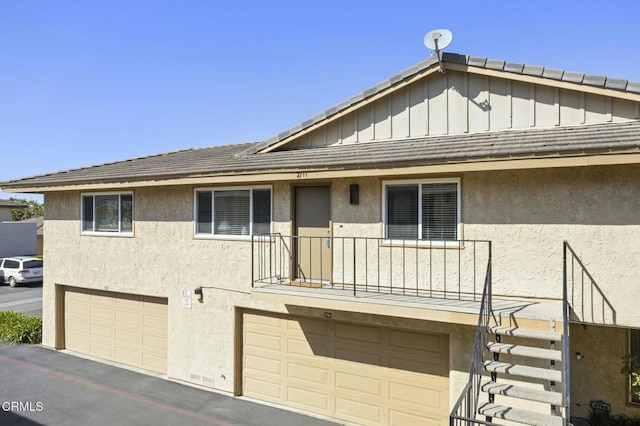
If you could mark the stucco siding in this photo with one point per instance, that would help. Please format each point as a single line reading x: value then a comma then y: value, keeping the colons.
x: 526, y: 214
x: 596, y: 375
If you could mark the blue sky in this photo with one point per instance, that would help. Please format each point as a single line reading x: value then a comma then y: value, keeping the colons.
x: 84, y: 82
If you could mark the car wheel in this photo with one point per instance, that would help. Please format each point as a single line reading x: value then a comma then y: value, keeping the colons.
x: 12, y: 282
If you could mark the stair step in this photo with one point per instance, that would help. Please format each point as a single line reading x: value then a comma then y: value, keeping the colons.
x: 523, y: 371
x: 526, y: 333
x: 532, y: 352
x: 520, y: 392
x: 520, y: 416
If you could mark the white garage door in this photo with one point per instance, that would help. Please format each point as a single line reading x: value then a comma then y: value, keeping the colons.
x: 367, y: 374
x: 125, y: 328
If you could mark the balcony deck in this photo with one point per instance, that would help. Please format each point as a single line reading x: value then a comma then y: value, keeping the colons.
x: 506, y: 307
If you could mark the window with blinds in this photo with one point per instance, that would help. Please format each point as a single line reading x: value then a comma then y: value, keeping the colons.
x: 426, y: 211
x: 243, y: 211
x: 108, y: 213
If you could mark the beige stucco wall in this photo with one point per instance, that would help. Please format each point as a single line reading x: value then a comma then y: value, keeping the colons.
x: 526, y: 214
x: 596, y: 375
x: 163, y: 258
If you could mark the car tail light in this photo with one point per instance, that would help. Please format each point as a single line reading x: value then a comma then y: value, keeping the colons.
x: 23, y: 271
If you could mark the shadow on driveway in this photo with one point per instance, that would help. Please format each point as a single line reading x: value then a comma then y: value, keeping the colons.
x: 46, y: 387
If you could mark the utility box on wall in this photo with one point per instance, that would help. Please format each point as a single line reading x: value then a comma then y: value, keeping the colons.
x: 17, y: 238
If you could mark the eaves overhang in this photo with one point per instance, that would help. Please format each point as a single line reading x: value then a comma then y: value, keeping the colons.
x: 602, y: 157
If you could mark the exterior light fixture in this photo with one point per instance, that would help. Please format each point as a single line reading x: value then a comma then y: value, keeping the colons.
x: 198, y: 293
x: 354, y: 194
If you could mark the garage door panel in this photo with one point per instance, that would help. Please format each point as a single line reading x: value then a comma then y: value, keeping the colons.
x: 312, y: 347
x: 351, y: 382
x: 308, y: 327
x: 415, y: 342
x: 125, y: 336
x: 127, y: 356
x: 110, y: 326
x: 308, y: 373
x: 154, y: 363
x: 128, y: 318
x: 154, y: 342
x: 99, y: 349
x: 359, y: 411
x: 361, y: 333
x: 100, y: 313
x: 79, y: 343
x: 407, y: 394
x: 425, y: 365
x: 77, y: 326
x: 100, y: 299
x: 263, y: 389
x: 154, y: 321
x: 349, y: 355
x: 370, y: 375
x: 101, y: 331
x: 305, y: 397
x: 77, y: 307
x: 271, y: 366
x: 265, y: 341
x: 403, y: 418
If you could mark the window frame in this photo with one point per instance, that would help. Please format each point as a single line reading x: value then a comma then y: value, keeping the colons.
x: 420, y: 242
x: 630, y: 398
x: 119, y: 232
x: 212, y: 235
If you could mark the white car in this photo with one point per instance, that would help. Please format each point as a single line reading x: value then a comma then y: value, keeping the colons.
x: 20, y: 270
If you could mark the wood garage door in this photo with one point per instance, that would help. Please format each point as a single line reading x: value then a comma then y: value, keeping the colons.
x: 366, y: 374
x: 125, y: 328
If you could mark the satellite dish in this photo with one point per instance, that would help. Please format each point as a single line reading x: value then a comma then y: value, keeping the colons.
x: 438, y: 39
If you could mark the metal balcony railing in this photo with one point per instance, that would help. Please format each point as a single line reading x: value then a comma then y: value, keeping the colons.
x: 587, y: 300
x: 434, y: 269
x: 465, y: 410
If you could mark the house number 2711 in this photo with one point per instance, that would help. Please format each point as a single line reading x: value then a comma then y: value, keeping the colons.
x: 301, y: 175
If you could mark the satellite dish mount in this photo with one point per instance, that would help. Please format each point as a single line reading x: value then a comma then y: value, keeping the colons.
x: 437, y: 40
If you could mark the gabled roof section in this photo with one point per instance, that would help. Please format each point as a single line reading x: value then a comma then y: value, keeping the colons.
x: 454, y: 61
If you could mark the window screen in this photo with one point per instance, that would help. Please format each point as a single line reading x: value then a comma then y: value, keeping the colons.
x: 422, y: 211
x: 233, y: 212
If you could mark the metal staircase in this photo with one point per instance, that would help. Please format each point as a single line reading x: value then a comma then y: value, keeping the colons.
x: 518, y: 375
x: 516, y: 378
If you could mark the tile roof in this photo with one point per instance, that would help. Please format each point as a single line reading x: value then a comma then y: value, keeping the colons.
x: 11, y: 204
x: 512, y: 144
x: 476, y: 61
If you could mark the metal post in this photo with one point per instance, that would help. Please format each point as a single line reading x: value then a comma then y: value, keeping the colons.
x: 565, y: 344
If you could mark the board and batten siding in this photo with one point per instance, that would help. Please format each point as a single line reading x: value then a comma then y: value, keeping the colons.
x: 455, y: 103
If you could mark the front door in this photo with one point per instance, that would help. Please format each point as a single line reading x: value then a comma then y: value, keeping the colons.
x: 313, y: 243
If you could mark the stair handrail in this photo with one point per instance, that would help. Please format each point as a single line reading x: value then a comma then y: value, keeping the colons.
x: 566, y: 392
x: 466, y: 407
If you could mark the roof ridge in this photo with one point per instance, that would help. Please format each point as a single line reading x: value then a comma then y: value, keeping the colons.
x: 617, y: 84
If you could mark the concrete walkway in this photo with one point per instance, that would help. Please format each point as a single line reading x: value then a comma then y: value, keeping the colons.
x: 39, y: 386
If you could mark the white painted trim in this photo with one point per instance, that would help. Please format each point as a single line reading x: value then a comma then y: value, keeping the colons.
x: 419, y: 182
x: 119, y: 233
x: 213, y: 236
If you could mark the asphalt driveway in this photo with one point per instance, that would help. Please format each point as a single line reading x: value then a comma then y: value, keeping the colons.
x: 39, y: 386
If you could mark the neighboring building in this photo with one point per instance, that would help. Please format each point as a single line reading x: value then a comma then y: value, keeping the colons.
x: 16, y: 238
x: 392, y: 217
x: 39, y: 221
x: 5, y: 209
